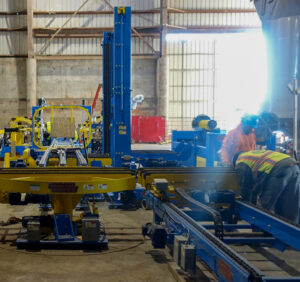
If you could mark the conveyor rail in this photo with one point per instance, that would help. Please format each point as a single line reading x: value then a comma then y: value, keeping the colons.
x: 237, y: 261
x: 216, y: 216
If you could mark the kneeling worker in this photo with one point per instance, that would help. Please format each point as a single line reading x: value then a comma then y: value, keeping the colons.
x: 273, y: 177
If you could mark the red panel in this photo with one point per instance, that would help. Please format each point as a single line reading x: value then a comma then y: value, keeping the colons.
x: 135, y: 128
x: 148, y: 129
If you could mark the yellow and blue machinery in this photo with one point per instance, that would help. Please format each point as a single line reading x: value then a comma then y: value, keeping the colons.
x: 17, y: 136
x: 186, y: 201
x: 66, y: 187
x: 196, y: 207
x: 201, y: 144
x: 51, y: 170
x: 64, y: 166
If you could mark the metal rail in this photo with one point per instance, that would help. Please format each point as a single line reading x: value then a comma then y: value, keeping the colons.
x: 46, y: 155
x: 81, y: 159
x: 216, y: 216
x: 66, y: 170
x: 254, y: 273
x: 281, y: 228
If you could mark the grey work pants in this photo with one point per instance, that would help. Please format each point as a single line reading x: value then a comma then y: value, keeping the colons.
x: 281, y: 193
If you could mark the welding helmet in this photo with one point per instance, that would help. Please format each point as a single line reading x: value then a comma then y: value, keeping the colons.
x: 250, y: 120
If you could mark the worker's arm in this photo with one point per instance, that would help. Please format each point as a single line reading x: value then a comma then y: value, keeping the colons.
x: 245, y: 178
x: 228, y: 148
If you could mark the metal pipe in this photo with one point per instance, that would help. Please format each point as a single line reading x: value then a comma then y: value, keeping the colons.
x: 295, y: 91
x: 295, y: 122
x: 182, y: 84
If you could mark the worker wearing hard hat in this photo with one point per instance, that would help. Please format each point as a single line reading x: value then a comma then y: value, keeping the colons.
x: 270, y: 179
x: 242, y: 138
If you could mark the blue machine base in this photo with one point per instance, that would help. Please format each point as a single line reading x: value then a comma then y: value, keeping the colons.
x: 23, y: 243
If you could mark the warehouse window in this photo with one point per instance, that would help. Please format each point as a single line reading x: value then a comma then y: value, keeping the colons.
x: 220, y: 75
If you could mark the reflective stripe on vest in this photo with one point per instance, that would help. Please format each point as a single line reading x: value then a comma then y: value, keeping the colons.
x: 261, y: 160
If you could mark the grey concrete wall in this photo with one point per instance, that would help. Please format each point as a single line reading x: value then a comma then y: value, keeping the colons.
x: 12, y: 89
x: 70, y: 81
x: 144, y: 82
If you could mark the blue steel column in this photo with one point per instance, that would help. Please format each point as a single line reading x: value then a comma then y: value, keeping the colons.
x: 107, y: 46
x: 121, y: 125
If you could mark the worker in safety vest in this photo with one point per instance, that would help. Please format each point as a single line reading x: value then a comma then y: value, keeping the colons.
x: 242, y: 138
x: 271, y: 180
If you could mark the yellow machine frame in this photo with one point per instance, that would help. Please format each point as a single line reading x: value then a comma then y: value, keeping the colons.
x: 52, y: 107
x: 219, y: 178
x: 57, y: 181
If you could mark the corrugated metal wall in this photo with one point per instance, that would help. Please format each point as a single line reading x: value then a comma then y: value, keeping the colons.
x: 91, y: 46
x: 192, y: 64
x: 15, y: 43
x: 69, y: 5
x: 213, y: 19
x: 210, y: 4
x: 191, y: 81
x: 192, y: 74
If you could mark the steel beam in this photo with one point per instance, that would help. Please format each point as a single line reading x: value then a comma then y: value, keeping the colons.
x: 278, y: 228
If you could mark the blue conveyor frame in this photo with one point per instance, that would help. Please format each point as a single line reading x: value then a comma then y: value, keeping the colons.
x: 214, y: 251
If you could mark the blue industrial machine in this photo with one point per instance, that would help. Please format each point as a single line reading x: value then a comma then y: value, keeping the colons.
x: 117, y: 100
x: 190, y: 203
x: 116, y: 87
x: 203, y: 142
x: 72, y: 178
x: 181, y: 195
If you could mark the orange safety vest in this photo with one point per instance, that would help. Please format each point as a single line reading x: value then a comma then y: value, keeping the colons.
x: 261, y: 160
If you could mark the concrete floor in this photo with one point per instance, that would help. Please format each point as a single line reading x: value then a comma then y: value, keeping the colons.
x: 129, y: 257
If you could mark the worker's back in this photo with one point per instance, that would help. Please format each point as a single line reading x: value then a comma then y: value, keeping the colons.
x: 261, y: 160
x: 270, y: 179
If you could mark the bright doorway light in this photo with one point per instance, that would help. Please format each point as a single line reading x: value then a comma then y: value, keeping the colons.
x: 240, y: 73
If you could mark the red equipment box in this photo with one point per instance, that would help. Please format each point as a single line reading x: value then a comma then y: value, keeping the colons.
x: 148, y: 129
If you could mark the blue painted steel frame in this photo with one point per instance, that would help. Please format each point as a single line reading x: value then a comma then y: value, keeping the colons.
x: 200, y: 143
x: 107, y: 86
x: 7, y: 149
x: 207, y: 251
x: 284, y: 234
x: 120, y: 117
x: 281, y: 230
x: 204, y: 144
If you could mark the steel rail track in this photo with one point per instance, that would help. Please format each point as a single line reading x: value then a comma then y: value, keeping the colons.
x: 255, y: 274
x: 216, y: 216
